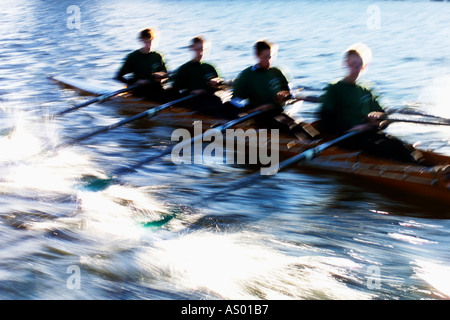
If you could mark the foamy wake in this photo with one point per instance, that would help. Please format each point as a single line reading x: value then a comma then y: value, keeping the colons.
x: 238, y: 266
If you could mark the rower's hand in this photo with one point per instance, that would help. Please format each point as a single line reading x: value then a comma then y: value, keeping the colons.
x: 215, y: 83
x: 375, y: 120
x: 376, y: 116
x: 160, y: 76
x: 282, y: 96
x: 378, y: 119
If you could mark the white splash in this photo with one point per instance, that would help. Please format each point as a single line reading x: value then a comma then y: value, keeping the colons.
x: 239, y: 266
x: 436, y: 274
x: 117, y: 211
x: 19, y: 144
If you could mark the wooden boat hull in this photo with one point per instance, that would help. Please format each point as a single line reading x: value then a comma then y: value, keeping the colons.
x: 431, y: 182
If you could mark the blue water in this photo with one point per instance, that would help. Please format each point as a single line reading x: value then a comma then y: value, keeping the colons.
x: 300, y: 235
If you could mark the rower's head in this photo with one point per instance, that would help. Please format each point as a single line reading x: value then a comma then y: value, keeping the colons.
x: 357, y: 58
x: 197, y: 46
x: 263, y: 52
x: 147, y: 36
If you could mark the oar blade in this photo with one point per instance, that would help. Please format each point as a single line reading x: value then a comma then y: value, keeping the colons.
x: 94, y: 184
x: 156, y: 224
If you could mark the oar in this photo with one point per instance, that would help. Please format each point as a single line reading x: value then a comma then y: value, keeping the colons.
x: 425, y: 122
x: 305, y: 155
x: 428, y: 119
x: 99, y: 184
x: 100, y: 99
x: 408, y: 111
x: 296, y: 96
x: 149, y: 113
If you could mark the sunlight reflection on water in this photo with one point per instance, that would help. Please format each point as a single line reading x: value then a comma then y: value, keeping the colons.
x: 301, y: 236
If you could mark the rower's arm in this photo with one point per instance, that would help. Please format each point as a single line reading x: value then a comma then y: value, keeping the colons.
x: 240, y: 97
x: 124, y: 70
x: 328, y: 113
x: 121, y: 76
x: 282, y: 96
x: 375, y: 103
x: 160, y: 76
x: 159, y: 69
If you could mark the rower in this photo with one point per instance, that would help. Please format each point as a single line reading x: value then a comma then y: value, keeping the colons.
x: 262, y: 86
x: 147, y: 68
x: 347, y: 105
x: 199, y: 78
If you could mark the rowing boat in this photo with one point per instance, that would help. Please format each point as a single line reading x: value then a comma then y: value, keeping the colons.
x: 428, y: 182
